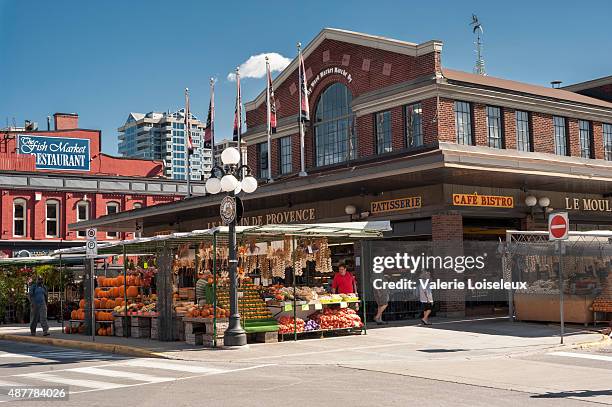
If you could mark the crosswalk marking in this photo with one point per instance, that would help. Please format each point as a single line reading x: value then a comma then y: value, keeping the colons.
x: 122, y: 374
x: 158, y: 364
x: 92, y: 384
x: 14, y: 355
x: 583, y: 356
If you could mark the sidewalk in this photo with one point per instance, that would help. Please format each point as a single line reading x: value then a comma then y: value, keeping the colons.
x: 446, y: 339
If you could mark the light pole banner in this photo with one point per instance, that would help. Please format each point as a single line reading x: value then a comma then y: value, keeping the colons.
x: 56, y: 153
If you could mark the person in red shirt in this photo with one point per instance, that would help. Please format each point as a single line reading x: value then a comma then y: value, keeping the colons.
x: 343, y: 282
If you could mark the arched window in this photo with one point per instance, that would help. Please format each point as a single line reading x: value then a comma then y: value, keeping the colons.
x: 20, y: 215
x: 137, y: 205
x: 112, y: 208
x: 52, y: 220
x: 82, y: 214
x: 334, y: 127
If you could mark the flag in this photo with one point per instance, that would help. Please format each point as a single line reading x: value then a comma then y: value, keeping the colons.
x: 304, y: 108
x: 188, y: 124
x: 271, y: 101
x: 209, y: 131
x: 238, y: 111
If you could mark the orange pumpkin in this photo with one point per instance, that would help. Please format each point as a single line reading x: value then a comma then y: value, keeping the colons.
x: 132, y: 291
x: 120, y: 281
x: 110, y: 304
x: 82, y: 304
x: 109, y: 331
x: 74, y: 314
x: 101, y: 331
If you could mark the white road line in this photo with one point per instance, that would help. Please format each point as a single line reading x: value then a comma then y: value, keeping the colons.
x: 582, y: 356
x: 9, y: 384
x: 14, y: 355
x: 122, y: 374
x: 92, y: 384
x: 158, y: 364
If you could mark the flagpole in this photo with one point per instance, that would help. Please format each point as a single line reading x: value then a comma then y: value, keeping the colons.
x: 268, y: 120
x: 212, y: 120
x: 243, y: 158
x: 187, y: 134
x: 302, y: 158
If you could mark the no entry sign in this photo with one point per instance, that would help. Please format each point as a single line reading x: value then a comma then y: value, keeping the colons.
x: 558, y: 226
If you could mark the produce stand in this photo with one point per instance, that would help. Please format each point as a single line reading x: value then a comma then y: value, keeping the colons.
x: 278, y: 265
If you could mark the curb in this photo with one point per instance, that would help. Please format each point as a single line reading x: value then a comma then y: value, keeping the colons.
x: 98, y: 347
x: 603, y: 341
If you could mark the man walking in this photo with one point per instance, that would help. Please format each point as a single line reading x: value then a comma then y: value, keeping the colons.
x: 38, y: 301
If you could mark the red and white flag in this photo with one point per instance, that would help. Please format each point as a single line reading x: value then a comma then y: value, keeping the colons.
x: 209, y: 131
x: 304, y: 108
x: 188, y: 124
x: 271, y: 101
x: 238, y: 111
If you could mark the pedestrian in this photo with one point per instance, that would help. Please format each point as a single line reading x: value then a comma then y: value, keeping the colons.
x: 344, y: 282
x: 38, y: 307
x: 425, y: 297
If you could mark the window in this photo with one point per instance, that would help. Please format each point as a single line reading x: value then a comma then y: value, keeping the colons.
x: 137, y: 205
x: 607, y: 139
x: 286, y: 165
x: 52, y: 218
x: 495, y: 133
x: 383, y: 132
x: 19, y: 217
x: 584, y: 131
x: 463, y: 123
x: 560, y: 135
x: 334, y: 127
x: 414, y: 126
x: 523, y: 134
x: 112, y: 208
x: 262, y: 154
x: 82, y: 214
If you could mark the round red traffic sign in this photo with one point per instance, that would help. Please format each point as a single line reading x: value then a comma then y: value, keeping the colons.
x: 558, y: 226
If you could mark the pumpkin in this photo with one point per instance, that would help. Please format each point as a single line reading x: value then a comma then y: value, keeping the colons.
x: 109, y: 331
x: 120, y: 281
x: 132, y: 291
x: 101, y: 331
x: 101, y: 280
x: 204, y: 313
x: 82, y: 304
x: 119, y: 302
x: 110, y: 304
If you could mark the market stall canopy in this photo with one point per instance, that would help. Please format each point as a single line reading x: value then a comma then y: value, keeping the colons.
x: 343, y: 231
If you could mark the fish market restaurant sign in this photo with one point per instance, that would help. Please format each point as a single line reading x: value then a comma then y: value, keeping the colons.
x: 56, y: 153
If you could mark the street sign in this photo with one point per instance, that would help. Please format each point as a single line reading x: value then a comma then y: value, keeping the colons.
x: 558, y: 226
x: 91, y: 247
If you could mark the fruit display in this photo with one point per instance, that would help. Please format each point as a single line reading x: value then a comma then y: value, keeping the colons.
x: 337, y: 318
x: 287, y: 325
x: 145, y: 309
x: 206, y: 311
x: 250, y: 305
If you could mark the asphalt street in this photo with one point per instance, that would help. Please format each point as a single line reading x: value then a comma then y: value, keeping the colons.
x: 98, y: 379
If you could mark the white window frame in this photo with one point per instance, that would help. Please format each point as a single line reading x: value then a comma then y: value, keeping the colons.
x: 112, y: 235
x: 56, y: 203
x: 24, y: 219
x: 81, y: 233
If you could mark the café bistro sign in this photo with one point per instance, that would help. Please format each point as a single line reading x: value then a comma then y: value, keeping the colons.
x: 56, y: 153
x: 294, y: 216
x: 491, y: 201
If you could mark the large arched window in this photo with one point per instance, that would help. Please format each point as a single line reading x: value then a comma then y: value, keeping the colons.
x: 334, y: 127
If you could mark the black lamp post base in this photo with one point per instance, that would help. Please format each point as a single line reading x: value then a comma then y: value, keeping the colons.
x: 234, y: 338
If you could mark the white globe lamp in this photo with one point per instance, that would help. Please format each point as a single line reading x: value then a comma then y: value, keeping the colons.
x: 544, y: 201
x: 238, y: 188
x: 230, y: 156
x: 249, y: 184
x: 531, y: 201
x: 213, y: 185
x: 228, y: 183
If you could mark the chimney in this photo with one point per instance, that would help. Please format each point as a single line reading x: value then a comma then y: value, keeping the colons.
x: 65, y: 121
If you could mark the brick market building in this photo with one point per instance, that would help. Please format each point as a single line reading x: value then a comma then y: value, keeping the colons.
x: 43, y: 191
x: 446, y: 156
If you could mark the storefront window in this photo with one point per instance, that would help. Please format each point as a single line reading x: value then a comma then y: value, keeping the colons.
x: 560, y: 135
x: 333, y: 126
x: 285, y: 155
x: 262, y: 155
x: 52, y: 218
x: 607, y: 139
x: 463, y: 122
x: 82, y: 214
x: 494, y: 127
x: 19, y: 217
x: 523, y: 136
x: 414, y: 126
x: 383, y: 132
x: 112, y: 208
x: 585, y: 138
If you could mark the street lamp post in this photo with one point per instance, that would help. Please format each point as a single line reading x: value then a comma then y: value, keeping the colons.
x: 233, y: 181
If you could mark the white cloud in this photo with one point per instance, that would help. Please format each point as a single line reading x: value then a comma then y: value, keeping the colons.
x: 255, y: 66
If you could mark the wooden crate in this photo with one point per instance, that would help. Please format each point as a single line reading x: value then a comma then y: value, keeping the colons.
x: 141, y: 322
x: 141, y: 332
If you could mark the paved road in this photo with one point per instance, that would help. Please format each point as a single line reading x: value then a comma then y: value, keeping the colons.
x: 97, y: 379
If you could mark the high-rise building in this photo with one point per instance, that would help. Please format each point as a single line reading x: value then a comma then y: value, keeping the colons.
x: 162, y: 136
x: 222, y: 145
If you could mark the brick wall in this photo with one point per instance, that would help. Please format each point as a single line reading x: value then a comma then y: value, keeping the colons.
x: 446, y: 121
x: 509, y: 123
x: 598, y: 146
x: 543, y: 133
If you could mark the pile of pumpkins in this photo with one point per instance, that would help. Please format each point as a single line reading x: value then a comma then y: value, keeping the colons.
x: 79, y: 314
x: 206, y: 311
x: 116, y: 287
x: 105, y: 331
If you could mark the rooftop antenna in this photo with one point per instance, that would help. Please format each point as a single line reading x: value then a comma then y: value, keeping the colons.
x: 479, y: 68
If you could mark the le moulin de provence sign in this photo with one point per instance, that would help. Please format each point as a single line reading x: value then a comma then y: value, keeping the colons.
x: 56, y: 153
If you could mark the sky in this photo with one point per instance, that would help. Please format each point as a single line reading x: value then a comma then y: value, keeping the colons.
x: 104, y: 59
